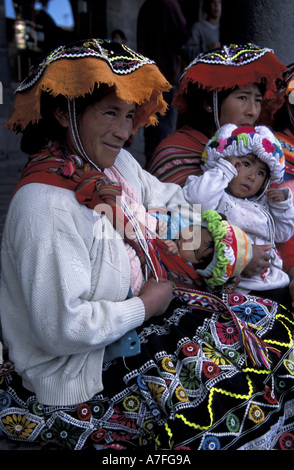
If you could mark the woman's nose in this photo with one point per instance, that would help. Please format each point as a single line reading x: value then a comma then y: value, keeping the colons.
x: 123, y: 129
x: 252, y: 108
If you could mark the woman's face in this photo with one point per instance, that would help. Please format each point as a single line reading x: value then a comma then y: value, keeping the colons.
x: 241, y: 107
x: 103, y: 128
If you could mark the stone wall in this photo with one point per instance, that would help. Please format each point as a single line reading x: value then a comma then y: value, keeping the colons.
x: 122, y: 14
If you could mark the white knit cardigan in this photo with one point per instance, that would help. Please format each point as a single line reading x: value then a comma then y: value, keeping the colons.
x: 64, y: 282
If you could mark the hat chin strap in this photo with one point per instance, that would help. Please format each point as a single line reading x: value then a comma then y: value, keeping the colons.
x: 75, y: 132
x: 215, y: 109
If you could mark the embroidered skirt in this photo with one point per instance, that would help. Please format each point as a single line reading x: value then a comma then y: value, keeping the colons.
x: 191, y: 387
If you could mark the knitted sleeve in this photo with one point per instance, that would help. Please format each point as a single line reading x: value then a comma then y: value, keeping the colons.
x: 209, y: 188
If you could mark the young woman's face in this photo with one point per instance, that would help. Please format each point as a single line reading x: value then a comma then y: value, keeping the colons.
x: 252, y: 174
x: 103, y: 128
x: 241, y: 107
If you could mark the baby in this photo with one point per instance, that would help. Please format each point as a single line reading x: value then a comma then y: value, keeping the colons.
x: 218, y: 257
x: 241, y: 165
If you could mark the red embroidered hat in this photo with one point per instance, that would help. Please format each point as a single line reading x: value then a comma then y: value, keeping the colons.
x: 230, y: 66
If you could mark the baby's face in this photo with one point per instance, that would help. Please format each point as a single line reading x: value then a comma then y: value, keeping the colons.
x: 194, y: 250
x: 252, y: 173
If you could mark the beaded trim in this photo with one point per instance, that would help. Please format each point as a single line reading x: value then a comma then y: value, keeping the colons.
x: 121, y: 59
x: 233, y: 55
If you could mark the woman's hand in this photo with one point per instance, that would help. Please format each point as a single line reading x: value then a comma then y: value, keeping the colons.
x: 156, y: 296
x: 259, y: 262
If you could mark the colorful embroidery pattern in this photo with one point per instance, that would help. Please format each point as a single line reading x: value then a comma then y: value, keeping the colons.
x: 120, y: 63
x: 200, y: 395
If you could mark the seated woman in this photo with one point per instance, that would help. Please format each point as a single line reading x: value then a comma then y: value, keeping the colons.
x: 101, y: 349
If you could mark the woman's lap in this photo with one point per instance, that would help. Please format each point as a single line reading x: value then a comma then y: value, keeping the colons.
x: 190, y: 387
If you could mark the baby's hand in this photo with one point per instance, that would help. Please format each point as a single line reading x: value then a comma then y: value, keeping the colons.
x: 276, y: 195
x: 172, y: 248
x: 161, y: 228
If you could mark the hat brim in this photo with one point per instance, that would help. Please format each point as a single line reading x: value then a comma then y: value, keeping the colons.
x: 75, y: 78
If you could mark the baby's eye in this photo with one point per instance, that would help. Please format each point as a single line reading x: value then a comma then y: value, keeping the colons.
x: 246, y: 164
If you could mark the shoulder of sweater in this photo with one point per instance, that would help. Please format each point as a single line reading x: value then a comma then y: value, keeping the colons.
x: 34, y: 195
x: 38, y: 201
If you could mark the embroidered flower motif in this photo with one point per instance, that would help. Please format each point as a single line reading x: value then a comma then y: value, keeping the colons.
x: 287, y: 441
x: 188, y: 378
x: 148, y: 425
x: 181, y: 394
x: 228, y: 334
x: 167, y: 364
x: 249, y: 312
x: 63, y: 433
x: 214, y: 355
x: 84, y: 412
x: 233, y: 422
x: 210, y: 369
x: 119, y: 417
x: 232, y: 355
x: 156, y: 391
x: 190, y: 349
x: 38, y: 408
x: 77, y: 265
x: 141, y: 382
x: 156, y: 413
x: 19, y: 426
x: 280, y: 384
x: 131, y: 403
x: 236, y: 299
x: 270, y: 396
x: 5, y: 400
x: 207, y: 337
x: 97, y: 410
x: 211, y: 443
x: 267, y: 302
x: 47, y: 435
x: 289, y: 366
x: 256, y: 414
x: 97, y: 436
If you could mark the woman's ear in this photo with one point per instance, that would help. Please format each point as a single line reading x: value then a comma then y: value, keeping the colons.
x: 62, y: 116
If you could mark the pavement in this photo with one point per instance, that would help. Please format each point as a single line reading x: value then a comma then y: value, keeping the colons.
x: 10, y: 171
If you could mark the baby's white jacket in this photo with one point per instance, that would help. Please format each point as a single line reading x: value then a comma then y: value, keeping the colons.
x: 264, y: 222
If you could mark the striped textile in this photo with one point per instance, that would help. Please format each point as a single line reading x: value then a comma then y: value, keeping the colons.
x: 178, y: 156
x: 286, y: 140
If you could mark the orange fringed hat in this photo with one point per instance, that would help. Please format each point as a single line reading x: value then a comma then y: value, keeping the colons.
x: 75, y: 69
x: 228, y: 67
